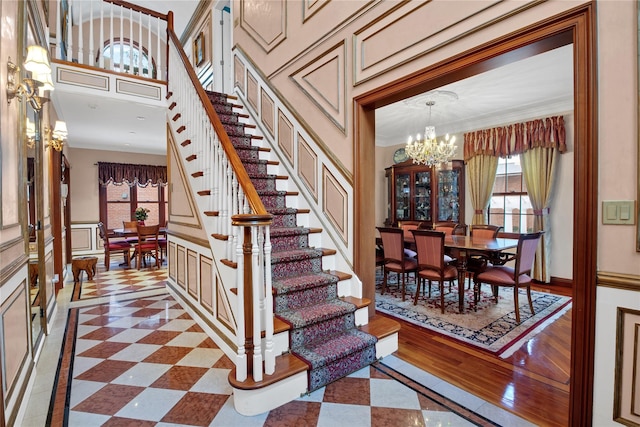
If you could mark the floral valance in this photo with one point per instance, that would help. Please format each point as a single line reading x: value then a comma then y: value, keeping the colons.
x: 130, y: 174
x: 516, y: 138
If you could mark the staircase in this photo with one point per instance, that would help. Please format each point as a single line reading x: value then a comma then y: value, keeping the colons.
x: 322, y: 329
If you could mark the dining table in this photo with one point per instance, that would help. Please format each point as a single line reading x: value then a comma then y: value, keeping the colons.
x: 463, y: 246
x: 132, y: 232
x: 491, y: 249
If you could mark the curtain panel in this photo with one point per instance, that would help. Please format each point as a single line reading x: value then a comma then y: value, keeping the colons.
x: 131, y: 174
x: 517, y: 138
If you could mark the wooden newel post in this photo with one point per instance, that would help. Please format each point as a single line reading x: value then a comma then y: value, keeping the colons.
x: 251, y: 285
x: 248, y: 298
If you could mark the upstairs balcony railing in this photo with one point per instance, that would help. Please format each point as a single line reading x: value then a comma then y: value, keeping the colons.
x: 113, y: 35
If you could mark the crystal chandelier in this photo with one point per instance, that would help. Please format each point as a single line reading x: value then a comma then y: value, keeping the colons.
x: 429, y: 151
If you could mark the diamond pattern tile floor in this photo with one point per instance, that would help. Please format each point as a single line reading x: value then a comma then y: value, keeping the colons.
x: 143, y: 361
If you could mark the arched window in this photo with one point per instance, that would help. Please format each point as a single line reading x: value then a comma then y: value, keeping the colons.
x: 122, y: 55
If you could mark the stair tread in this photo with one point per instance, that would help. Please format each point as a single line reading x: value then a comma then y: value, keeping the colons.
x: 341, y: 274
x: 381, y: 326
x: 358, y: 302
x: 287, y: 365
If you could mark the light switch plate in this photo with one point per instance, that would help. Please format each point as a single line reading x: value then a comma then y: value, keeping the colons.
x: 619, y: 212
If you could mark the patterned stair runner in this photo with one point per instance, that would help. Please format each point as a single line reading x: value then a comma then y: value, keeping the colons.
x: 323, y: 331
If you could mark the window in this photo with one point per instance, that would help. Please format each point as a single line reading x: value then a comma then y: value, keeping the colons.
x: 510, y: 206
x: 118, y: 203
x: 123, y: 51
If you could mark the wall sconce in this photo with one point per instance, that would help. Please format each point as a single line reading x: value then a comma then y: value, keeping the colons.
x: 56, y: 138
x: 38, y: 63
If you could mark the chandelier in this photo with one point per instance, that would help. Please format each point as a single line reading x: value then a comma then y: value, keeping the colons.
x: 429, y: 151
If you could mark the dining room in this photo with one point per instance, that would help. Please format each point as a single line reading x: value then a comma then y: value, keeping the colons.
x: 535, y: 354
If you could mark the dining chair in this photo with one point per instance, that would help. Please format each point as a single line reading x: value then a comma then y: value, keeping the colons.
x: 476, y: 263
x: 118, y: 246
x: 147, y: 244
x: 394, y: 256
x: 448, y: 228
x: 515, y: 277
x: 431, y: 262
x: 130, y: 225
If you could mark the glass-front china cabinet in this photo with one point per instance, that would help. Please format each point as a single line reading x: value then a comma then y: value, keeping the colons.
x: 423, y: 193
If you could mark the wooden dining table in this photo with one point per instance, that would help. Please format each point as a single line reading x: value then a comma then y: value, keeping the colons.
x: 464, y: 246
x: 131, y: 232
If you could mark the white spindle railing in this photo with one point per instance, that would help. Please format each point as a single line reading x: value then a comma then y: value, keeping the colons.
x: 77, y: 43
x: 241, y: 218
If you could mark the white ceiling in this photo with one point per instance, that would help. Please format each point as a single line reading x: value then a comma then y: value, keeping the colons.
x: 541, y: 85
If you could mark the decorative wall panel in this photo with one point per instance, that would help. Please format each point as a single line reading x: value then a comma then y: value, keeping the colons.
x: 81, y: 239
x: 267, y: 112
x: 264, y: 21
x: 322, y: 80
x: 285, y: 135
x: 181, y: 268
x: 308, y: 166
x: 252, y: 91
x: 310, y: 7
x: 391, y: 40
x: 239, y: 74
x: 138, y: 89
x: 207, y: 285
x: 334, y: 202
x: 627, y: 376
x: 15, y: 334
x: 192, y: 273
x: 172, y: 261
x: 223, y: 308
x: 78, y: 78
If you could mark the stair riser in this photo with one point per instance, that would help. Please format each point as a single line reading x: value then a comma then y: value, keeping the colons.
x: 264, y: 184
x: 241, y: 140
x: 228, y: 118
x: 245, y: 154
x: 217, y: 98
x: 234, y: 129
x: 284, y: 269
x: 256, y: 168
x: 320, y: 331
x: 281, y: 243
x: 334, y: 371
x: 273, y: 202
x: 297, y: 300
x: 225, y: 108
x: 284, y: 220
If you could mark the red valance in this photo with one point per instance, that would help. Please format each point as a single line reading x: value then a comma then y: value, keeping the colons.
x: 516, y: 138
x: 130, y: 174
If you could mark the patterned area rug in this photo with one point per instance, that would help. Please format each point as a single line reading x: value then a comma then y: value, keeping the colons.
x: 490, y: 326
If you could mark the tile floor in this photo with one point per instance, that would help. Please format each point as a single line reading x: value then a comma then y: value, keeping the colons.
x: 119, y: 356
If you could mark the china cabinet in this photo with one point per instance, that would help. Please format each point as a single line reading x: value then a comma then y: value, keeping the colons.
x: 423, y: 193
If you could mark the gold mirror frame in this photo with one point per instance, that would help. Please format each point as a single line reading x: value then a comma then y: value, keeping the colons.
x: 638, y: 130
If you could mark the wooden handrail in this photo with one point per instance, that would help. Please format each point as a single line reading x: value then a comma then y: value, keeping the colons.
x: 250, y: 192
x: 138, y: 9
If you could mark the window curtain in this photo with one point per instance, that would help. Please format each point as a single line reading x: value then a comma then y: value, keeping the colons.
x: 538, y: 142
x: 482, y: 175
x: 131, y: 174
x: 538, y: 168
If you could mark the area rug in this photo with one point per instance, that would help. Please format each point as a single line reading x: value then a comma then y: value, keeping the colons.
x: 489, y: 326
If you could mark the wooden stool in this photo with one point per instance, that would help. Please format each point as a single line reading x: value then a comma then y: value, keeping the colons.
x: 84, y: 263
x: 33, y: 273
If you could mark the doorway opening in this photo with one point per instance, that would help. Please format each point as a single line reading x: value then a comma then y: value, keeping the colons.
x: 573, y: 27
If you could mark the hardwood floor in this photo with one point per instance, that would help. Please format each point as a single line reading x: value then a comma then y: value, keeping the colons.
x: 533, y: 382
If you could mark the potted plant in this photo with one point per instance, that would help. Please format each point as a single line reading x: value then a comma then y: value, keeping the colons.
x: 141, y: 214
